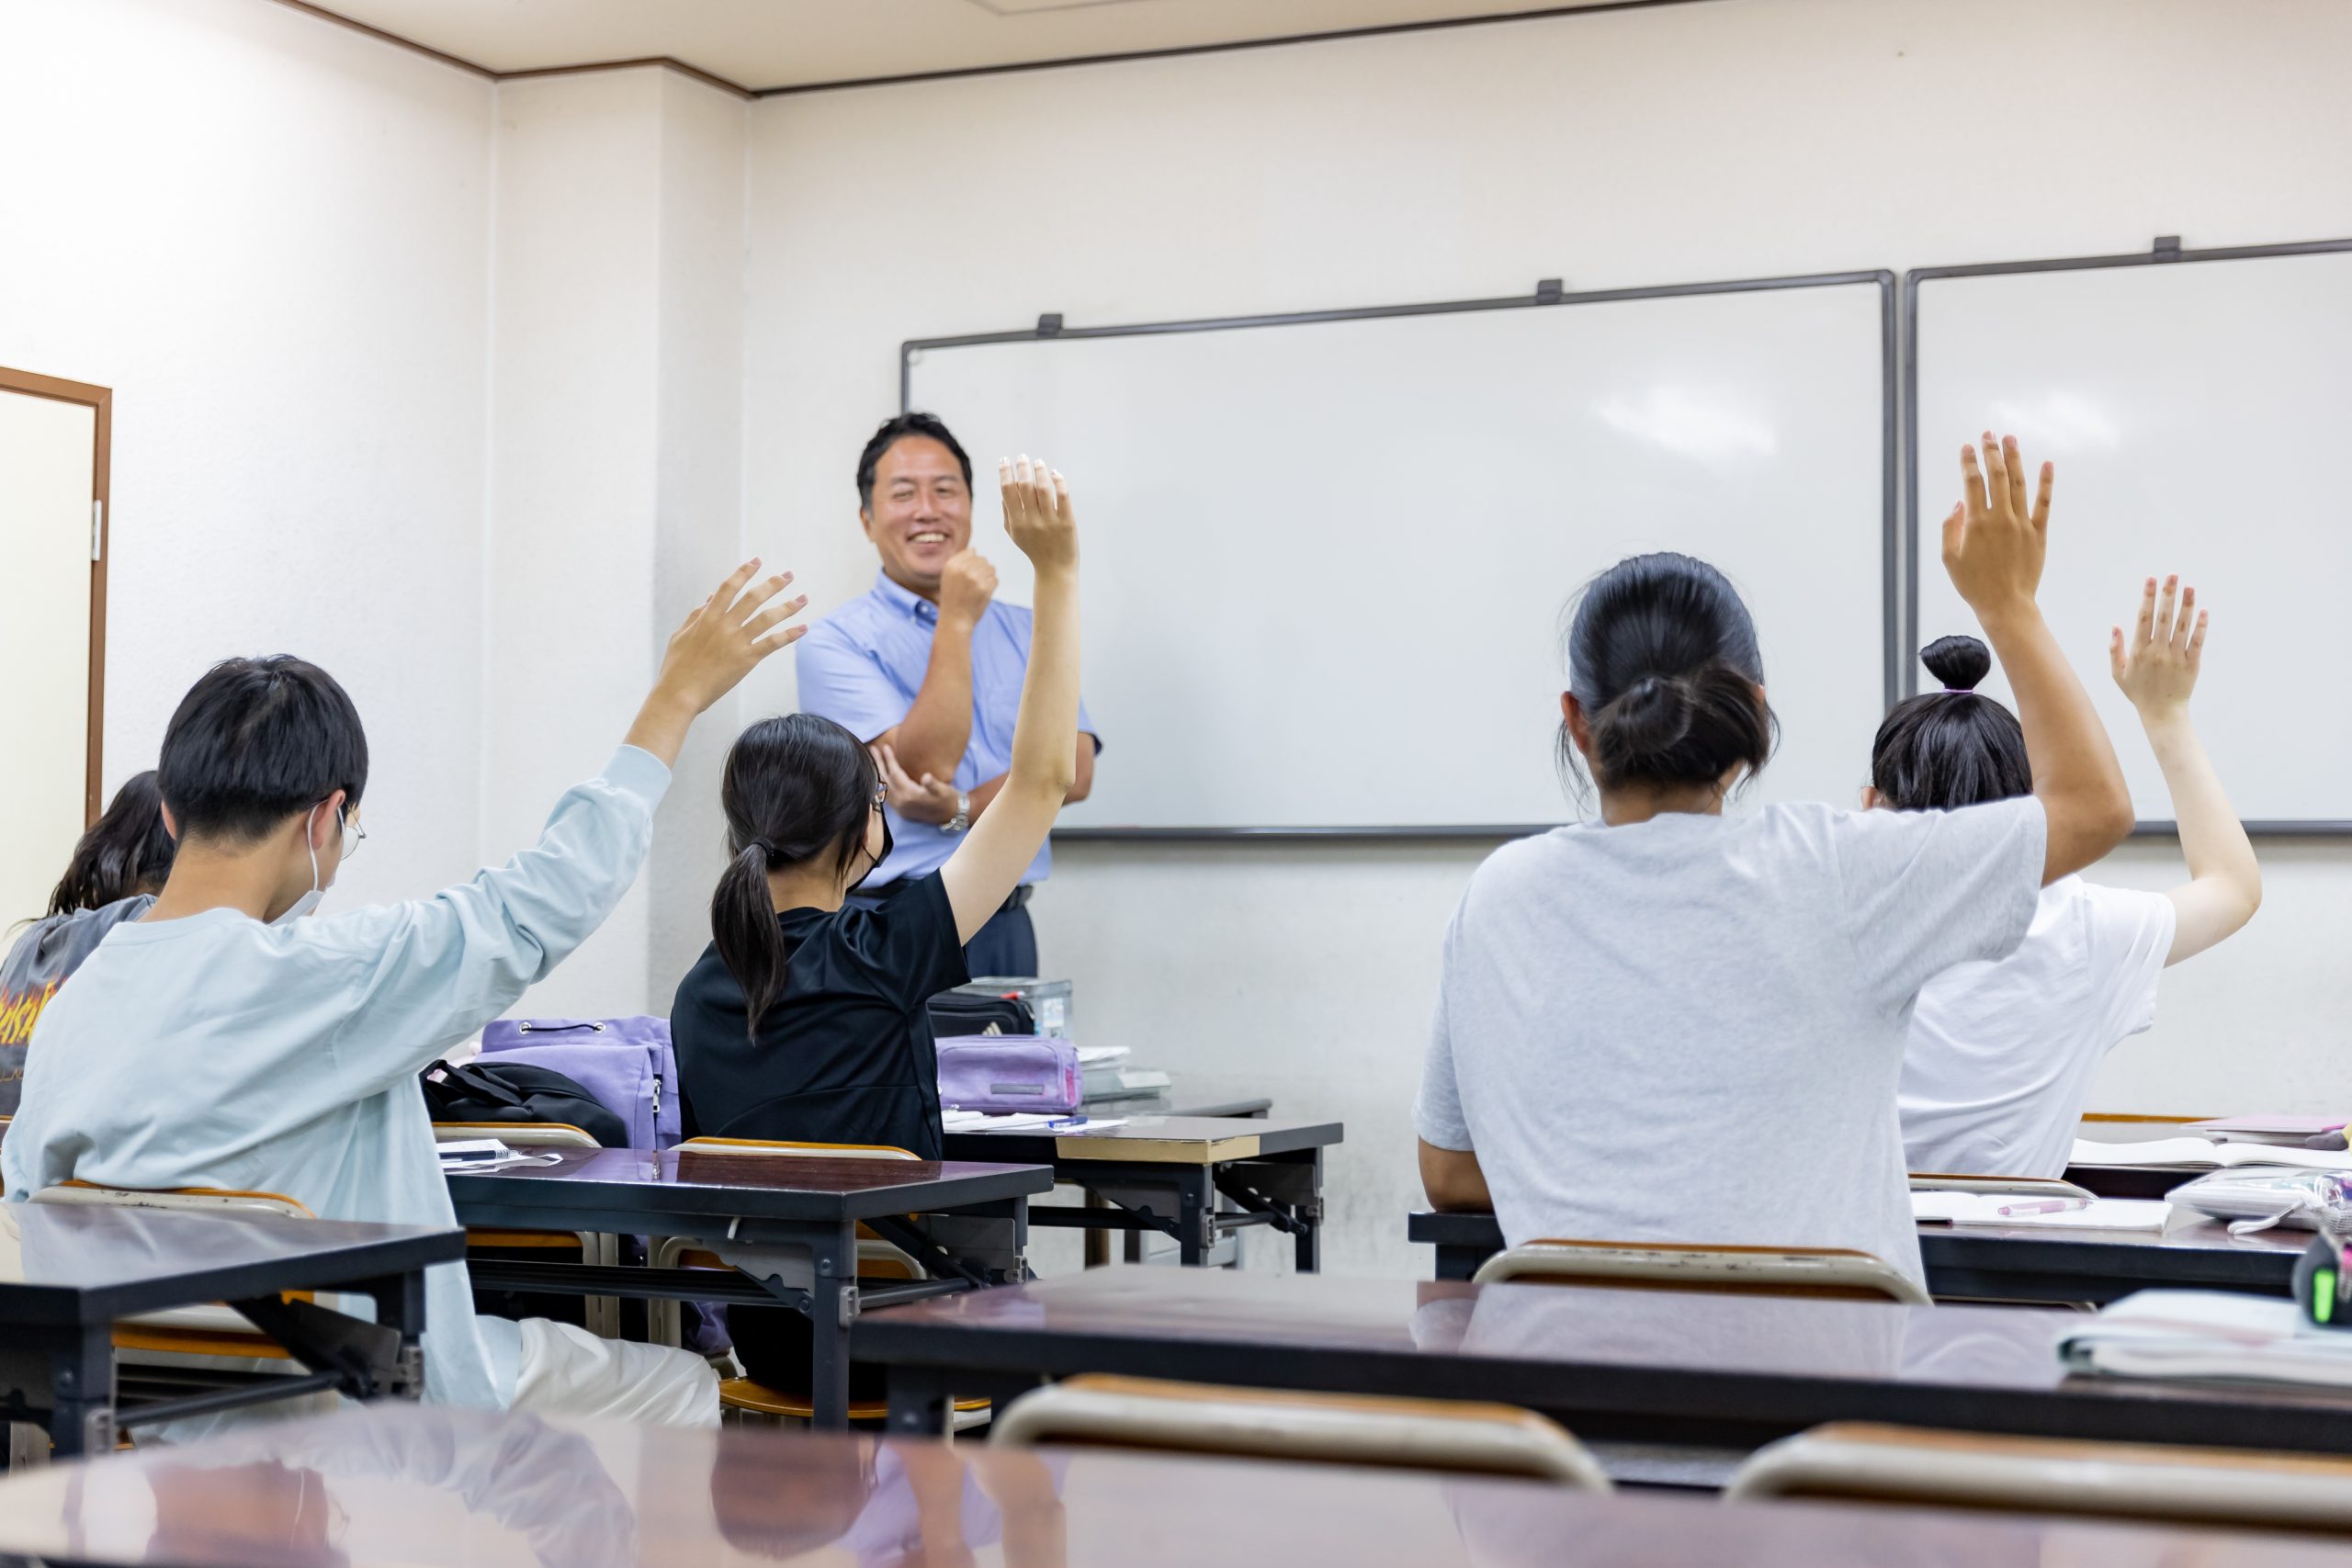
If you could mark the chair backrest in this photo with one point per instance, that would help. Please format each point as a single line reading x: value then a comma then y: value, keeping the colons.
x: 803, y: 1151
x: 1860, y: 1462
x: 1828, y: 1272
x: 517, y: 1135
x: 2021, y: 1185
x: 203, y: 1198
x: 1418, y: 1434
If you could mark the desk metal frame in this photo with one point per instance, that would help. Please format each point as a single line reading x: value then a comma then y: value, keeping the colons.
x: 805, y: 1261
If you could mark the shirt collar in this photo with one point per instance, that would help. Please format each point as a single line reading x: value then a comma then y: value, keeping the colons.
x: 905, y: 599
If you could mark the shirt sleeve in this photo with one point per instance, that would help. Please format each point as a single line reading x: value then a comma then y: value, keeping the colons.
x: 437, y: 969
x: 910, y: 943
x: 1437, y: 1113
x: 846, y: 683
x: 1925, y: 890
x: 2128, y: 934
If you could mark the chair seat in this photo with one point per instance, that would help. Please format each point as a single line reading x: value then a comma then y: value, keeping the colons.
x: 744, y: 1393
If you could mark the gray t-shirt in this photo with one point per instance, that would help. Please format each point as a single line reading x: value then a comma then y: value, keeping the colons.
x: 1690, y: 1029
x: 47, y: 950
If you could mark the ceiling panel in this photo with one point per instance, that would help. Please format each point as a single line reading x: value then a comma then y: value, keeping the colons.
x: 784, y: 43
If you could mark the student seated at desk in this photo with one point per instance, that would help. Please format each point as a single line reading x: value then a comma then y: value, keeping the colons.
x: 116, y: 871
x: 1675, y: 1025
x: 805, y: 1020
x: 2003, y: 1053
x: 222, y: 1041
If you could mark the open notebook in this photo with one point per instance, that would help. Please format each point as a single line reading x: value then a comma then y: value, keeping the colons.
x: 1988, y: 1209
x: 2204, y: 1154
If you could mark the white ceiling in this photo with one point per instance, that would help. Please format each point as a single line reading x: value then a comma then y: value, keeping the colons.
x: 784, y: 43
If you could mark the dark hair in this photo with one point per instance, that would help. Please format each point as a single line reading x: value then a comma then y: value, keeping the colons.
x: 1662, y: 657
x: 1953, y: 748
x: 127, y: 850
x: 894, y: 431
x: 256, y: 740
x: 798, y: 791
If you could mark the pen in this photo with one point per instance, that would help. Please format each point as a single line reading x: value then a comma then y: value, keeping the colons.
x: 2050, y: 1206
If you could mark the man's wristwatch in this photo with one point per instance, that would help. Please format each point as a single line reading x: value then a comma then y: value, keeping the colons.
x: 963, y: 818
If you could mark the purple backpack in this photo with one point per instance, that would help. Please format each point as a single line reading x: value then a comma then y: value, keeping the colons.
x: 625, y: 1063
x: 1008, y: 1072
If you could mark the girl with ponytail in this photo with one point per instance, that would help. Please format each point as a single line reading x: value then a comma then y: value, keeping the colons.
x: 1617, y: 988
x: 805, y: 1019
x: 2002, y: 1053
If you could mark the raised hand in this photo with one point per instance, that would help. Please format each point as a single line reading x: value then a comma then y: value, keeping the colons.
x: 727, y: 636
x: 966, y: 584
x: 2167, y: 648
x: 1037, y: 513
x: 1993, y: 543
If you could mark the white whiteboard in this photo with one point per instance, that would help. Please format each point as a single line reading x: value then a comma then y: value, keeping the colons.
x: 1325, y: 563
x: 2196, y: 411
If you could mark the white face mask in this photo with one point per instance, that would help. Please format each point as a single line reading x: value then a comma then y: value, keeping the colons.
x: 307, y: 901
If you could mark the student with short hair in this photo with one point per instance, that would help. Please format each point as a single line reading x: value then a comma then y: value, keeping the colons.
x: 116, y: 869
x: 1675, y: 1025
x: 2003, y: 1052
x: 222, y: 1041
x: 805, y: 1020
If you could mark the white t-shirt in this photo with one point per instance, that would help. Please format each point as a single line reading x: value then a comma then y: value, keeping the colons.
x: 2002, y: 1054
x: 1690, y: 1029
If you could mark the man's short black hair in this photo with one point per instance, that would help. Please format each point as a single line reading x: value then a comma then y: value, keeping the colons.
x: 256, y: 740
x: 894, y: 431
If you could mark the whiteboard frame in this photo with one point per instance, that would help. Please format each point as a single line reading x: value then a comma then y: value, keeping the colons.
x: 1548, y: 293
x: 2165, y: 252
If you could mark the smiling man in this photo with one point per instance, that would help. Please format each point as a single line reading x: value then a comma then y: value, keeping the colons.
x: 927, y: 670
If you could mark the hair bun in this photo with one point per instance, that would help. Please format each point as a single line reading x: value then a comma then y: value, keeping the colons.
x: 1959, y: 662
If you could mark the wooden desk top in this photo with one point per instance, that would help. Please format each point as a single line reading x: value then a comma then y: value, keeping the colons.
x: 1581, y: 1353
x: 403, y: 1485
x: 71, y: 1264
x: 694, y: 1182
x: 1157, y: 1140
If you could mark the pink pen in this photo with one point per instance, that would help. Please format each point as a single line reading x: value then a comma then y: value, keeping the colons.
x: 2049, y: 1206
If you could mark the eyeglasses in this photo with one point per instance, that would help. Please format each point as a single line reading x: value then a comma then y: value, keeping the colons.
x: 354, y: 835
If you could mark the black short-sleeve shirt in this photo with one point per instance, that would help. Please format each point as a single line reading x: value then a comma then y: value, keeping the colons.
x: 846, y: 1055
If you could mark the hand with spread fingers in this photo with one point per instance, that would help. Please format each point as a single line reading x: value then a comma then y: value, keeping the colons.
x: 1994, y: 541
x: 2167, y: 648
x: 719, y: 643
x: 1037, y: 513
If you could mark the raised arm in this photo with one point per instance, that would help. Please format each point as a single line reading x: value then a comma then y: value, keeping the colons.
x: 932, y: 737
x: 2167, y: 649
x: 988, y: 865
x: 1994, y: 544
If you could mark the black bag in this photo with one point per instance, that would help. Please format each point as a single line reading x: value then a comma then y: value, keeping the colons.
x: 515, y: 1092
x: 967, y: 1012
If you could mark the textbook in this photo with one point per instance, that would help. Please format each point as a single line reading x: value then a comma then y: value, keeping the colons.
x: 2204, y: 1154
x: 2294, y: 1132
x: 2207, y: 1334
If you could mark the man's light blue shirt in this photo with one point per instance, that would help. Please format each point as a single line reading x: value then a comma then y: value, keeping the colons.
x: 863, y: 666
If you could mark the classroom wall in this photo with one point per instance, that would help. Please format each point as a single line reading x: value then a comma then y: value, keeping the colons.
x: 268, y: 235
x: 1684, y: 142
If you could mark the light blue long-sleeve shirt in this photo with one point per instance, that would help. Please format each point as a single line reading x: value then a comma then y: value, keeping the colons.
x: 215, y: 1051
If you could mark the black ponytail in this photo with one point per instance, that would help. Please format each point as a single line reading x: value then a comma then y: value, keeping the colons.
x: 127, y: 850
x: 1944, y: 749
x: 1662, y: 657
x: 798, y: 791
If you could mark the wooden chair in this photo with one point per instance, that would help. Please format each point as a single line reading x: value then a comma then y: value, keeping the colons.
x: 876, y: 1259
x: 1327, y: 1428
x: 601, y: 1315
x: 1828, y: 1272
x: 1860, y: 1461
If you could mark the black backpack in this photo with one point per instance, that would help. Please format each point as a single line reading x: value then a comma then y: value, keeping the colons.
x: 515, y: 1092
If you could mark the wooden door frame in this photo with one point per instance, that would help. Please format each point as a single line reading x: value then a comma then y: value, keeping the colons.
x: 101, y: 401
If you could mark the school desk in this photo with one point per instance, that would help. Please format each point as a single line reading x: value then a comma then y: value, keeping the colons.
x: 1168, y: 1174
x: 1676, y: 1367
x: 789, y: 1224
x: 473, y: 1489
x: 1997, y: 1263
x: 68, y: 1272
